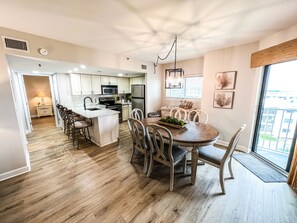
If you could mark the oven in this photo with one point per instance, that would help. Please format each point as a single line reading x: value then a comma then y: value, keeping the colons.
x: 109, y: 102
x: 116, y: 107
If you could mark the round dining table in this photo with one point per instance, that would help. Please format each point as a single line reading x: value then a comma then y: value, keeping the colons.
x: 193, y: 134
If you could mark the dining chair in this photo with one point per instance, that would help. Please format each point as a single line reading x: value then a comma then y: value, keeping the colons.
x: 179, y: 113
x: 138, y: 135
x: 216, y: 157
x: 162, y: 150
x: 198, y: 116
x: 137, y: 114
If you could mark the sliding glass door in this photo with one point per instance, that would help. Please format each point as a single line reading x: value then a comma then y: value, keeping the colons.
x: 275, y: 134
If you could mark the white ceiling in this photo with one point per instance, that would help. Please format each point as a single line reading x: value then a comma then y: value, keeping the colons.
x: 145, y: 28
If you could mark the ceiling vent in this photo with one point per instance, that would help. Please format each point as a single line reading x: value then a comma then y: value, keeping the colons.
x: 15, y: 44
x: 143, y: 67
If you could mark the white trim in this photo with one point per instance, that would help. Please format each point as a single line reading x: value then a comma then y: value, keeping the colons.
x: 238, y: 147
x: 14, y: 173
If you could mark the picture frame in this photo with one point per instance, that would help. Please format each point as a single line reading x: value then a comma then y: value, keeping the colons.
x: 225, y: 80
x: 223, y: 99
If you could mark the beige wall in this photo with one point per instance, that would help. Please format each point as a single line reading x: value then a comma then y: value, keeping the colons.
x: 191, y: 67
x: 34, y: 85
x: 13, y: 149
x: 227, y: 121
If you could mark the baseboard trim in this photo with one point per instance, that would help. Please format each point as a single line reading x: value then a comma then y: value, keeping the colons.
x: 14, y: 173
x: 238, y: 147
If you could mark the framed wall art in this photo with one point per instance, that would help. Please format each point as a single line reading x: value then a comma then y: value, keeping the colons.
x: 225, y: 80
x: 223, y: 99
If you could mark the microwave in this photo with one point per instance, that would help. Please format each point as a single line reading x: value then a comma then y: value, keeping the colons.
x: 109, y: 89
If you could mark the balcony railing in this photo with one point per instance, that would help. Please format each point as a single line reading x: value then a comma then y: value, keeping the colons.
x: 277, y: 129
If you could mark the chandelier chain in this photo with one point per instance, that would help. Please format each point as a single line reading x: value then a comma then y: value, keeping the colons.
x: 159, y: 58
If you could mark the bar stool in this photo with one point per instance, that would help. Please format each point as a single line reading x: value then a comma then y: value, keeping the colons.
x: 78, y: 129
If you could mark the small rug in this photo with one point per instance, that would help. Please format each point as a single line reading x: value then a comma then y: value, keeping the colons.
x: 265, y: 172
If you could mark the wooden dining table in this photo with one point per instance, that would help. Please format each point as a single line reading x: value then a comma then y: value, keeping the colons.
x: 193, y: 134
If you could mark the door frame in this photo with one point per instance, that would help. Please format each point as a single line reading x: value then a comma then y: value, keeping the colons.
x: 257, y: 125
x: 53, y: 86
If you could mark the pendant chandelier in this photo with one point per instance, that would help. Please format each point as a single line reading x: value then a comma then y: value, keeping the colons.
x: 173, y: 77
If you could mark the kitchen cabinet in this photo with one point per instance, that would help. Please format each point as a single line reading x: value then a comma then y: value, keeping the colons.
x: 86, y: 84
x: 75, y: 84
x: 125, y: 112
x: 106, y: 80
x: 123, y: 85
x: 137, y: 80
x: 96, y: 84
x: 80, y: 84
x: 44, y: 110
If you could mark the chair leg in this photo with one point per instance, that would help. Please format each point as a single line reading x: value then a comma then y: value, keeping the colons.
x: 222, y: 179
x: 171, y: 177
x: 133, y: 151
x: 185, y: 164
x: 145, y: 163
x: 194, y: 166
x: 150, y: 167
x: 230, y: 168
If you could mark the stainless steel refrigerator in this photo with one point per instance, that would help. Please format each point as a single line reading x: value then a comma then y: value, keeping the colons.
x: 138, y: 97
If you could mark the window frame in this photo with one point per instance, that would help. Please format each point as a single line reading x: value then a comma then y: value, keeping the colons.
x: 183, y: 89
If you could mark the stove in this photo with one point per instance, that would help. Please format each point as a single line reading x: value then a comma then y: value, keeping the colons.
x: 109, y: 102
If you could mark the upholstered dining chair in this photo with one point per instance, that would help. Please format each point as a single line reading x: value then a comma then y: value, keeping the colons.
x: 163, y: 151
x: 138, y: 135
x: 216, y: 157
x: 137, y: 114
x: 198, y: 116
x: 179, y: 113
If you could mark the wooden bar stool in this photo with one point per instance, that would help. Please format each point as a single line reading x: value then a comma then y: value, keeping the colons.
x: 79, y: 128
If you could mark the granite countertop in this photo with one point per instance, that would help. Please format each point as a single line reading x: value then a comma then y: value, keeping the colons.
x: 95, y: 113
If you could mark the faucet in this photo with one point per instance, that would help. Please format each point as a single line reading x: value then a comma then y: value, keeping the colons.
x: 85, y: 102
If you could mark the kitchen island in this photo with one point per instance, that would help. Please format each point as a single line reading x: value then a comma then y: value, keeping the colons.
x: 105, y: 125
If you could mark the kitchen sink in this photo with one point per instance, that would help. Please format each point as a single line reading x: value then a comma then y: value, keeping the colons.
x: 93, y: 109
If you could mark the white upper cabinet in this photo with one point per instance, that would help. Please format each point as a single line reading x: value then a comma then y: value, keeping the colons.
x: 96, y: 84
x: 113, y: 80
x: 106, y: 80
x: 86, y: 84
x: 75, y: 84
x: 137, y: 80
x: 126, y: 85
x: 120, y: 83
x: 123, y: 85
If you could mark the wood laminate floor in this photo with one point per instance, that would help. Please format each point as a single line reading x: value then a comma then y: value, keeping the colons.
x: 100, y: 185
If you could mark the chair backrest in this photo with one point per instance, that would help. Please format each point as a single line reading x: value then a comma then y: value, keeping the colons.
x: 178, y: 113
x: 233, y: 143
x: 138, y: 134
x: 198, y: 116
x: 137, y: 114
x: 160, y: 148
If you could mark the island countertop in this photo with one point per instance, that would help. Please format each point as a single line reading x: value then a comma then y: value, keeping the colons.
x: 94, y: 114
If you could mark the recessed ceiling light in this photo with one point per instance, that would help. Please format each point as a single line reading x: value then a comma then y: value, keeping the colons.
x: 120, y: 74
x: 83, y: 66
x: 35, y: 72
x: 75, y: 69
x: 69, y: 71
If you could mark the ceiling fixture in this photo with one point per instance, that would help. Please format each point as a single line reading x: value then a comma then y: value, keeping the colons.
x: 173, y: 77
x: 75, y: 69
x: 83, y: 66
x: 120, y: 74
x: 43, y: 51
